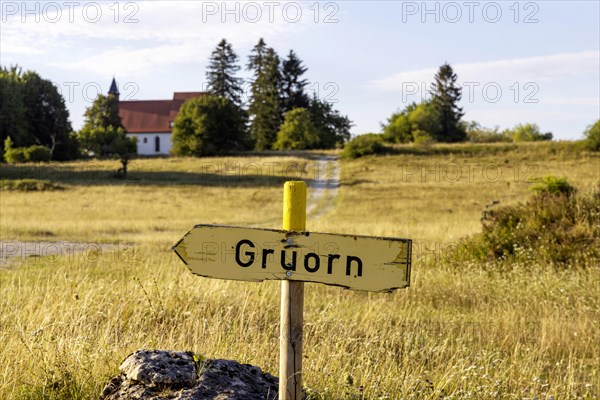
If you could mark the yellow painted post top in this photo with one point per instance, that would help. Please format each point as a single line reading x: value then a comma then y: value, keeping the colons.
x: 294, y: 206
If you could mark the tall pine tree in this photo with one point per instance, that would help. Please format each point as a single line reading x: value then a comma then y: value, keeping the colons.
x: 445, y: 97
x: 222, y: 68
x: 255, y: 60
x: 265, y: 104
x: 292, y: 85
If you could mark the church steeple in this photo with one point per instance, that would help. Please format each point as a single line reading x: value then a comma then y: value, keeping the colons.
x: 113, y: 88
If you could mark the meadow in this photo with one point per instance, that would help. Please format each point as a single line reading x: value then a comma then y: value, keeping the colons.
x: 459, y: 331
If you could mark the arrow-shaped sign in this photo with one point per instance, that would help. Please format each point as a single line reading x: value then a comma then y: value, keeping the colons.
x: 253, y: 254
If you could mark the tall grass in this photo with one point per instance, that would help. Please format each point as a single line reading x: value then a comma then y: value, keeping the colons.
x: 459, y: 331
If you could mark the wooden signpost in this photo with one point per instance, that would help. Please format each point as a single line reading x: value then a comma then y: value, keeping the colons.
x: 295, y: 256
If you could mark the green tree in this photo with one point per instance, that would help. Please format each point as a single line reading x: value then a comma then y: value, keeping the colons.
x: 417, y: 123
x: 222, y: 68
x: 103, y: 134
x: 297, y: 131
x: 256, y: 57
x: 592, y: 136
x: 47, y: 117
x: 398, y: 128
x: 445, y: 97
x: 425, y: 123
x: 480, y: 134
x: 265, y: 103
x: 12, y: 109
x: 292, y: 84
x: 209, y: 125
x: 333, y: 128
x: 33, y: 112
x: 527, y: 133
x: 103, y: 112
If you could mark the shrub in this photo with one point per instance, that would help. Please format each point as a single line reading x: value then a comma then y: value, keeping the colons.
x: 297, y: 131
x: 35, y: 153
x: 28, y: 185
x: 551, y: 228
x: 364, y: 145
x: 527, y: 133
x: 38, y: 154
x: 592, y: 137
x: 11, y: 154
x: 551, y: 185
x: 15, y: 155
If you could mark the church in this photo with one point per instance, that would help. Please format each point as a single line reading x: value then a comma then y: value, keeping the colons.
x: 151, y: 121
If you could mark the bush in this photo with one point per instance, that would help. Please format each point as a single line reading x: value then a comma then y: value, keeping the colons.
x: 527, y: 133
x: 35, y: 153
x: 551, y: 185
x: 29, y: 185
x: 364, y: 145
x: 38, y: 154
x: 592, y: 137
x: 297, y: 131
x: 15, y: 155
x: 554, y: 227
x: 480, y: 134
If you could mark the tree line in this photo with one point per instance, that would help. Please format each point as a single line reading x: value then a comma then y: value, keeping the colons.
x: 34, y: 121
x: 439, y: 119
x: 280, y: 115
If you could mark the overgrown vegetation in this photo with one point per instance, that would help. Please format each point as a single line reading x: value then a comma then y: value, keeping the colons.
x: 29, y: 185
x: 460, y: 331
x: 364, y: 145
x: 35, y: 153
x: 555, y: 227
x: 592, y: 137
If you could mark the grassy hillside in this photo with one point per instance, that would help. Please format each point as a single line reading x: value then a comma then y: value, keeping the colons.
x: 459, y: 332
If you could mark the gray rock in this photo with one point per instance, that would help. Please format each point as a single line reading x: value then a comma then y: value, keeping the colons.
x: 162, y: 375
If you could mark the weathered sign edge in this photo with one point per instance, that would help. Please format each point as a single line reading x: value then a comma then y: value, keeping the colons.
x: 295, y: 233
x: 408, y: 264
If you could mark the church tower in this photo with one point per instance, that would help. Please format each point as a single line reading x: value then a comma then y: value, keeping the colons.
x: 113, y: 89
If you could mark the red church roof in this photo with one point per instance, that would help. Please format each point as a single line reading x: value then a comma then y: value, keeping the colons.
x: 152, y: 116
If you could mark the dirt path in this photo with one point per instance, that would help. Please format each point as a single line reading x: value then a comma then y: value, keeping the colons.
x: 324, y: 188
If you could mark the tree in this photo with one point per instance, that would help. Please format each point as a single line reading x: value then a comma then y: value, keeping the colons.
x: 265, y: 104
x: 12, y: 109
x: 103, y: 134
x: 221, y: 72
x: 256, y: 57
x: 103, y: 112
x: 425, y: 123
x: 445, y: 97
x: 527, y: 133
x: 592, y: 136
x: 419, y: 123
x: 297, y: 131
x: 292, y: 85
x: 47, y: 117
x: 333, y: 128
x: 209, y: 125
x: 33, y: 112
x: 398, y: 128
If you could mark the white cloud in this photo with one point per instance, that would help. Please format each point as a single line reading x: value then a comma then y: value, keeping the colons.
x: 531, y: 69
x: 141, y: 36
x: 572, y: 101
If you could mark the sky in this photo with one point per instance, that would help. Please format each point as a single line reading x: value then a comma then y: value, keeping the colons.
x: 518, y: 62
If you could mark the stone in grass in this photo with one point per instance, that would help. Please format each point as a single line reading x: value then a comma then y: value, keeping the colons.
x: 162, y: 375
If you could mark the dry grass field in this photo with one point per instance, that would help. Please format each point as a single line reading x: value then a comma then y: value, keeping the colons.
x: 459, y: 332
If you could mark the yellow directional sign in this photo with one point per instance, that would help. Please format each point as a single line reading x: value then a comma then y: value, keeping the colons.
x: 252, y: 254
